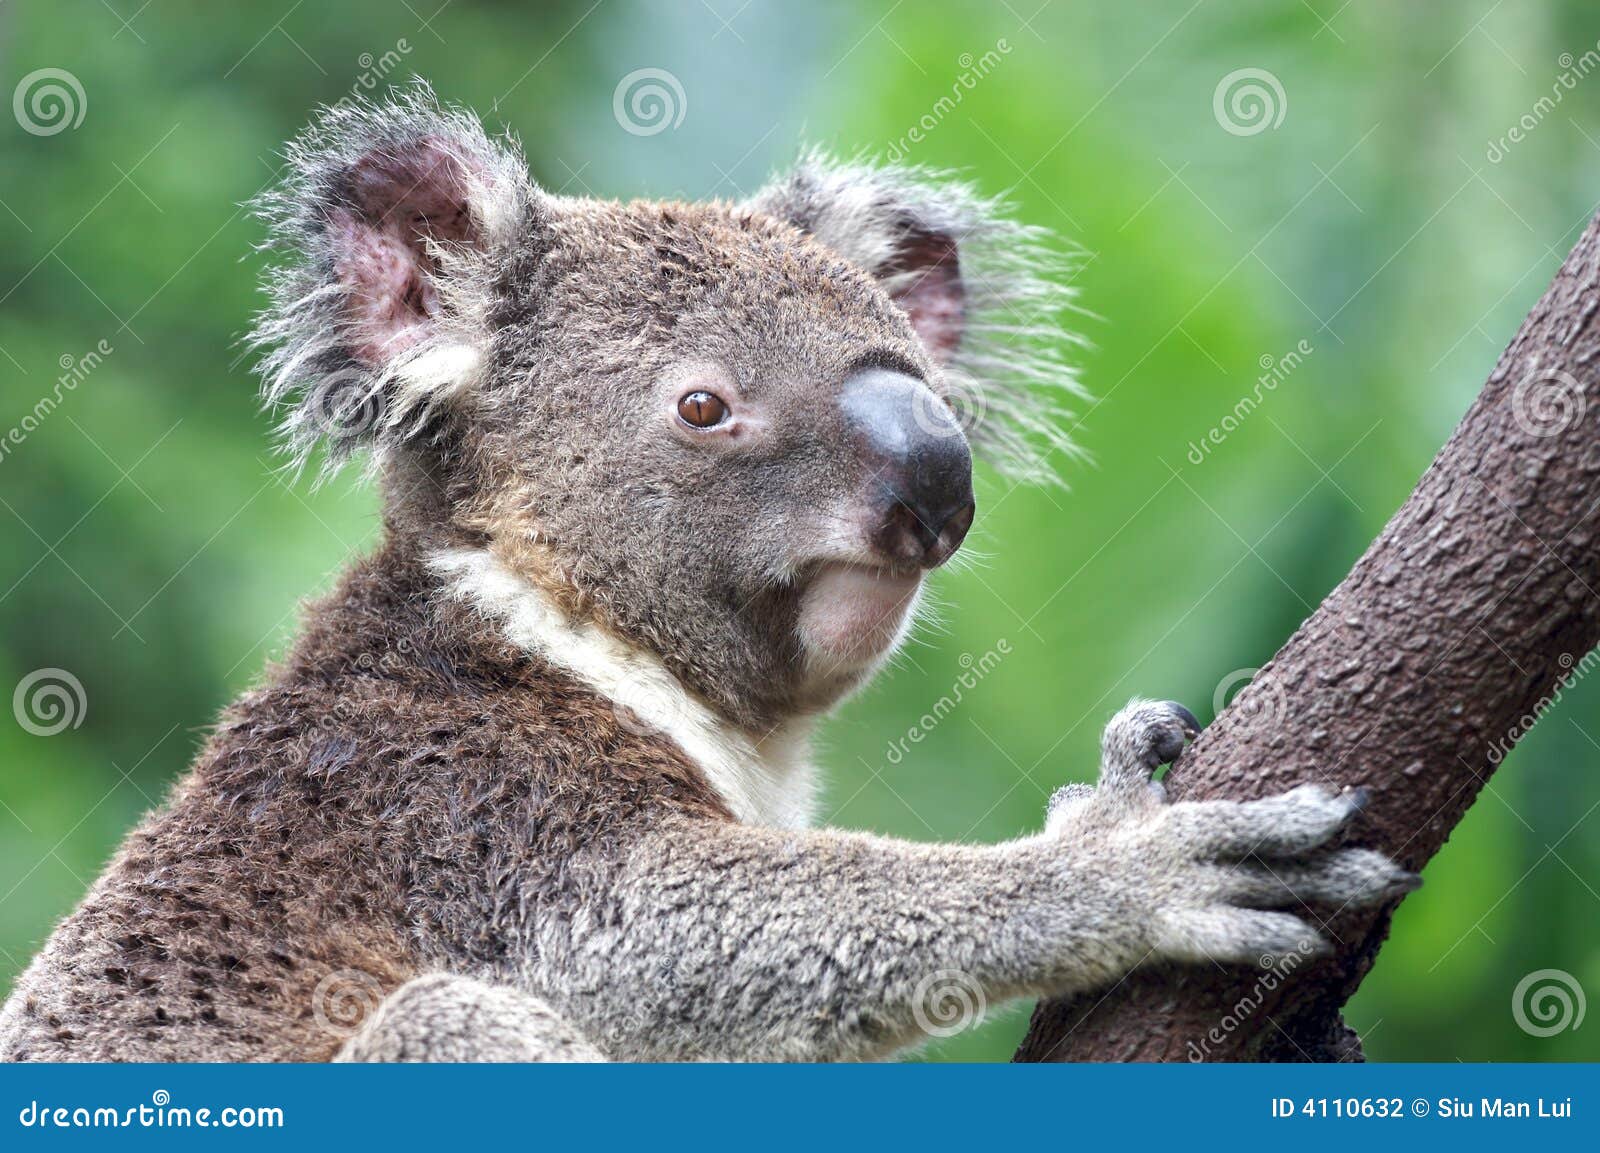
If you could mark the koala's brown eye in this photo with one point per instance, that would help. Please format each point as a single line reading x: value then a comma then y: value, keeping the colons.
x: 701, y: 409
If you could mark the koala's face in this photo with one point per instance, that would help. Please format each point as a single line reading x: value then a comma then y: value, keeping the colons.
x: 725, y: 432
x: 729, y: 437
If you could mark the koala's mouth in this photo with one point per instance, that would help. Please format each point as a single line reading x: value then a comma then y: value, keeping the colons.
x: 851, y: 614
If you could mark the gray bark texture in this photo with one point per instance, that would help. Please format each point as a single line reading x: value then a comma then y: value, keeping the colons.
x: 1448, y: 638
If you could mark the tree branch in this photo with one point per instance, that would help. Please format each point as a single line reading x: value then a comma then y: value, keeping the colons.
x: 1417, y: 674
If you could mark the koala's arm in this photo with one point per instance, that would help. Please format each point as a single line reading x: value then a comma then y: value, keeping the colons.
x: 737, y: 942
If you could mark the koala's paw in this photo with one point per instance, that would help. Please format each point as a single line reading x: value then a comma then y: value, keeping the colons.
x: 1208, y: 880
x: 1144, y: 736
x: 1245, y: 860
x: 1140, y: 739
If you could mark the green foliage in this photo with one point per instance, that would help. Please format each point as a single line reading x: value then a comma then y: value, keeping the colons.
x: 153, y: 551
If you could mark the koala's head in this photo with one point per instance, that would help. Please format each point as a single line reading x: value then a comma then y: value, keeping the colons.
x: 735, y: 434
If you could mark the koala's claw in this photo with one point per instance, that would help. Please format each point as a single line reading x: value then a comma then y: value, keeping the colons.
x: 1168, y: 740
x: 1237, y: 916
x: 1344, y: 877
x: 1191, y: 723
x: 1217, y: 880
x: 1271, y: 854
x: 1290, y: 824
x: 1140, y: 739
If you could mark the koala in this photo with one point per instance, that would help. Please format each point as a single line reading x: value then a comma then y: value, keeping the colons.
x: 662, y: 483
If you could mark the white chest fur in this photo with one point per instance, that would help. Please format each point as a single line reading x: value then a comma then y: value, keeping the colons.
x: 764, y: 780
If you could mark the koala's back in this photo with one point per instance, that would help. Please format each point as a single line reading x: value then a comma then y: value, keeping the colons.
x: 402, y: 797
x: 180, y: 953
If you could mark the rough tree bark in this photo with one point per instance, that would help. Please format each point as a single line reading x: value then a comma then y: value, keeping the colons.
x: 1415, y: 675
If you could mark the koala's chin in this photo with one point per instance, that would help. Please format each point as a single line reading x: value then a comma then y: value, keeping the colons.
x: 852, y: 615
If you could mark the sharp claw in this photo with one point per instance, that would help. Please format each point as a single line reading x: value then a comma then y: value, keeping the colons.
x: 1359, y: 798
x: 1191, y: 723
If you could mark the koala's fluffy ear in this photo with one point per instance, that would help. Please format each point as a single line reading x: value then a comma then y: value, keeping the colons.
x: 390, y: 222
x: 984, y: 293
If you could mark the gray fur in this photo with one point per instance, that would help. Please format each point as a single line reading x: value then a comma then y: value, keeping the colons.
x: 1011, y: 373
x: 466, y: 829
x: 330, y: 398
x: 842, y: 937
x: 443, y: 1017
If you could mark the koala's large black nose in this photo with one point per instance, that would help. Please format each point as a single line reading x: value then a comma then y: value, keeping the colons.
x: 919, y: 468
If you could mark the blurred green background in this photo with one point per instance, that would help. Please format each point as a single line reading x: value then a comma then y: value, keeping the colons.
x: 151, y: 550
